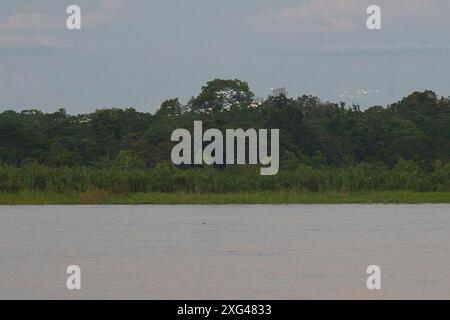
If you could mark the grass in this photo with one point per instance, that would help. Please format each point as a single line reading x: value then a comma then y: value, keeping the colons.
x: 102, y: 197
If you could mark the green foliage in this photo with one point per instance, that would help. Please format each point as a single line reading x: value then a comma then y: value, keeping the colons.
x: 270, y: 197
x: 324, y: 146
x: 171, y: 107
x: 219, y: 95
x: 121, y: 178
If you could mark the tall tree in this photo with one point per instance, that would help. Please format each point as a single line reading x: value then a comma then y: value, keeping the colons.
x: 219, y: 95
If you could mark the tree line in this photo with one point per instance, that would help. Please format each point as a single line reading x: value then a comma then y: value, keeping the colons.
x: 323, y: 145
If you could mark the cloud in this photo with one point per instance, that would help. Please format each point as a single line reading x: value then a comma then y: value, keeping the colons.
x: 43, y: 28
x: 107, y: 11
x: 29, y: 41
x: 23, y: 21
x: 316, y: 15
x: 348, y: 15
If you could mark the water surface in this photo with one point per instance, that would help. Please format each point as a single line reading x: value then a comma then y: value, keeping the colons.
x: 225, y: 252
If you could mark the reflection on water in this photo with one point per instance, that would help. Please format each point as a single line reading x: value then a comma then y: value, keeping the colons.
x: 225, y: 252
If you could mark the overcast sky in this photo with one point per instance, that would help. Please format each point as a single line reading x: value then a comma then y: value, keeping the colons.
x: 140, y: 52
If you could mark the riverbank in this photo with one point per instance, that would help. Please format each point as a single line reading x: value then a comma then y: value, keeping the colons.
x: 102, y: 197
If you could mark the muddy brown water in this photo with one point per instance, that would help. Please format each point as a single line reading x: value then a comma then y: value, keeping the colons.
x: 225, y: 252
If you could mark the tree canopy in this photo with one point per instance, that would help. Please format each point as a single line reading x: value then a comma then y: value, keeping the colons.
x: 415, y: 128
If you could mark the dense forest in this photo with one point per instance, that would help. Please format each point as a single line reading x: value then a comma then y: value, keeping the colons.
x: 324, y: 146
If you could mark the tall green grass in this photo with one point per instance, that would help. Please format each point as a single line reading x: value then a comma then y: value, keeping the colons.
x: 296, y: 183
x: 166, y: 178
x: 102, y: 197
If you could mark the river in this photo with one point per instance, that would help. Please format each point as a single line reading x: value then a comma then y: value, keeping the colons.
x: 225, y: 252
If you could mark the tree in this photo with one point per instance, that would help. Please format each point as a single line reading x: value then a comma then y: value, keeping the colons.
x: 171, y: 107
x: 219, y: 95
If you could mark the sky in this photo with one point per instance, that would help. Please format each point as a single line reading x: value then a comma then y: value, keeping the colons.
x: 137, y: 53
